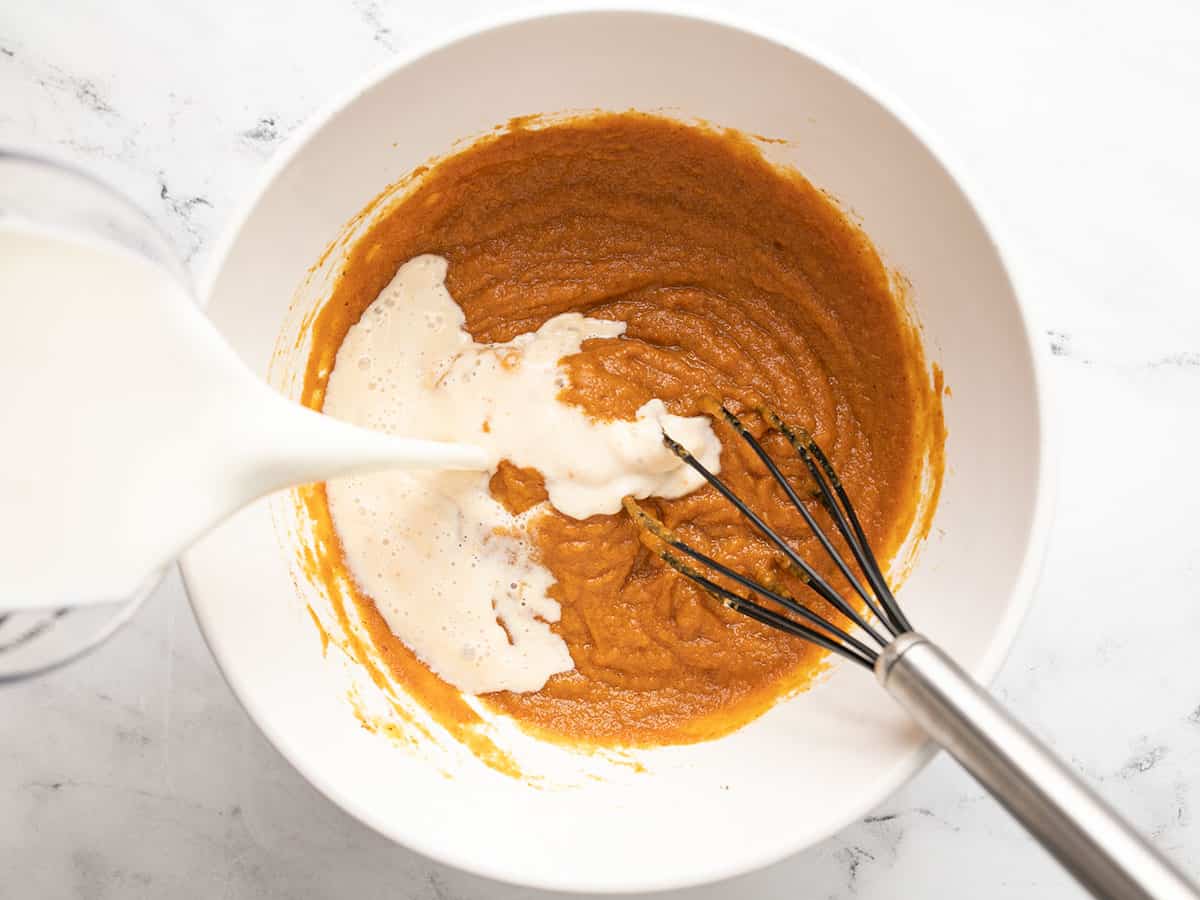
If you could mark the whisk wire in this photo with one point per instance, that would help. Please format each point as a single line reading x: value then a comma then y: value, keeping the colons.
x: 811, y: 577
x: 865, y: 657
x: 736, y: 602
x: 827, y: 544
x: 814, y: 627
x: 838, y: 505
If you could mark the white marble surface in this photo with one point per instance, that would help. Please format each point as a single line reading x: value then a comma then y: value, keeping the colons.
x: 134, y: 773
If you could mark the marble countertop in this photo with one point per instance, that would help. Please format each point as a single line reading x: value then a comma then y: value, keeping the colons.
x: 134, y: 772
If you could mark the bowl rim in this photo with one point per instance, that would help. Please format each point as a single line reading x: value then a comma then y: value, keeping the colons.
x: 1020, y: 599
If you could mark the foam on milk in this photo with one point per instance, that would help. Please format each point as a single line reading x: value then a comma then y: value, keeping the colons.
x: 447, y: 566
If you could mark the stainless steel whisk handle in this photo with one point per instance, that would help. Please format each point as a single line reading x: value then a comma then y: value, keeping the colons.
x: 1086, y: 836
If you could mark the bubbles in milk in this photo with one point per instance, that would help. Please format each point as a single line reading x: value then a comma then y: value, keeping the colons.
x: 442, y: 560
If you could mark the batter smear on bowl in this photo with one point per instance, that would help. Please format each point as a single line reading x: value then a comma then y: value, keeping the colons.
x: 683, y: 266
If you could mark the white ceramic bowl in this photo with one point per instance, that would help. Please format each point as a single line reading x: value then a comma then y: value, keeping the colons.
x: 811, y: 765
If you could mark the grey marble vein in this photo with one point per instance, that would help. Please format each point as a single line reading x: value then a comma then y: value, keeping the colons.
x: 184, y: 212
x: 1181, y: 359
x: 371, y: 14
x: 1143, y: 762
x: 265, y: 131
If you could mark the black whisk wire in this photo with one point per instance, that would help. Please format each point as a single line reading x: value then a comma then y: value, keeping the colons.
x: 860, y: 651
x: 815, y: 628
x: 827, y: 544
x: 810, y: 575
x: 842, y: 511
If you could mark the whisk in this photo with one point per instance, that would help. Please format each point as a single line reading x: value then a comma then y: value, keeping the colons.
x: 1073, y: 823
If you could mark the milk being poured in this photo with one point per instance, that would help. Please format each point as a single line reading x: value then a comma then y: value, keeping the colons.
x: 106, y: 390
x: 130, y: 427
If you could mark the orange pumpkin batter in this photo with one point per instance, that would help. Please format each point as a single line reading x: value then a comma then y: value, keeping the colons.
x: 736, y: 280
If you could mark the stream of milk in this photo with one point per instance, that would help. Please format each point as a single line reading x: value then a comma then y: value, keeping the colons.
x: 129, y: 427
